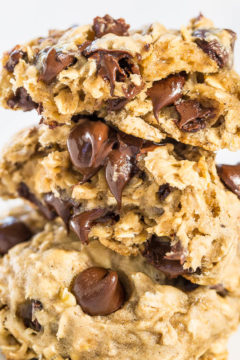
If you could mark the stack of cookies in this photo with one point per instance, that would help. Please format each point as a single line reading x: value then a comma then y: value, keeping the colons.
x: 128, y: 245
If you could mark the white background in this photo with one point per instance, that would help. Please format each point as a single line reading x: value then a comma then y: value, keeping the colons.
x: 20, y: 20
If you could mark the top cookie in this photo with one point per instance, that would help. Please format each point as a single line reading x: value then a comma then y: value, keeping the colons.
x: 152, y: 83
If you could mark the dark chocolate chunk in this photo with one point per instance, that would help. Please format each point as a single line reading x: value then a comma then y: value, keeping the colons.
x: 213, y: 48
x: 25, y: 193
x: 22, y: 100
x: 14, y: 57
x: 105, y: 25
x: 166, y: 92
x: 168, y: 259
x: 192, y: 115
x: 89, y: 144
x: 26, y: 311
x: 230, y: 176
x: 81, y: 224
x: 54, y: 63
x: 12, y: 232
x: 63, y: 208
x: 113, y: 65
x: 98, y: 291
x: 164, y: 191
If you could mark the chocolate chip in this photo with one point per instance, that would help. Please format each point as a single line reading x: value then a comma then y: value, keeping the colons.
x: 165, y: 92
x: 98, y: 291
x: 12, y: 232
x: 212, y: 48
x: 63, y: 208
x: 112, y: 65
x: 25, y: 193
x: 81, y: 224
x: 89, y: 144
x: 26, y: 311
x: 121, y: 164
x: 192, y: 115
x: 14, y: 57
x: 164, y: 191
x: 105, y: 25
x: 118, y: 172
x: 220, y: 289
x: 230, y: 176
x: 93, y: 144
x: 168, y: 259
x: 53, y: 64
x: 22, y: 100
x: 116, y: 103
x: 130, y: 92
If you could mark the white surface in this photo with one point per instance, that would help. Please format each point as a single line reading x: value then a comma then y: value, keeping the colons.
x: 21, y: 20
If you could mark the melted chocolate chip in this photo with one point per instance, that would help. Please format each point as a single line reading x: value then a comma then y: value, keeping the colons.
x: 81, y: 224
x: 118, y: 171
x: 120, y: 165
x: 130, y: 92
x: 63, y: 208
x: 165, y: 92
x: 98, y: 291
x: 105, y: 25
x: 25, y: 193
x: 230, y: 176
x: 112, y: 65
x: 168, y: 259
x: 212, y: 48
x: 164, y: 191
x: 93, y: 144
x: 53, y: 64
x: 89, y: 144
x: 192, y: 115
x: 26, y: 311
x: 22, y: 100
x: 12, y: 232
x: 14, y: 57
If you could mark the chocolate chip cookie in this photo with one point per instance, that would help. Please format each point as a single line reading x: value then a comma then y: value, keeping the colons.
x: 151, y: 83
x: 164, y: 200
x: 72, y: 301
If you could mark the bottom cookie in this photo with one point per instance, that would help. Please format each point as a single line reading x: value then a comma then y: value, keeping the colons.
x: 62, y: 300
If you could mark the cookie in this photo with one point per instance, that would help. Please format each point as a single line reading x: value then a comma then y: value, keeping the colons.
x: 72, y: 301
x: 163, y: 201
x: 152, y: 83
